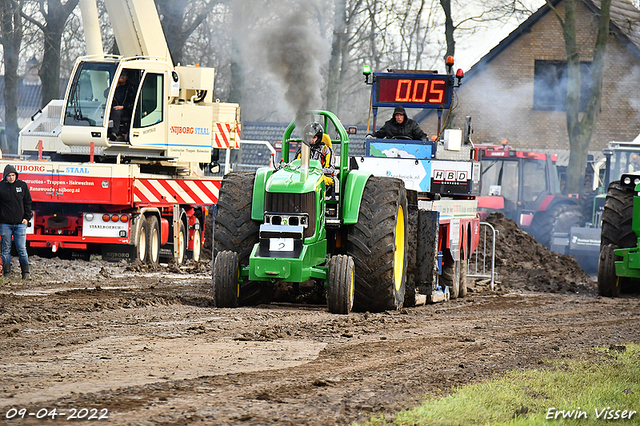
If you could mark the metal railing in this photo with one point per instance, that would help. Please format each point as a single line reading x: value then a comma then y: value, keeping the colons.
x: 483, y: 260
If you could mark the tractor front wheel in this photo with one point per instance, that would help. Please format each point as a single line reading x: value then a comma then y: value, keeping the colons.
x: 225, y: 280
x: 340, y: 284
x: 608, y: 281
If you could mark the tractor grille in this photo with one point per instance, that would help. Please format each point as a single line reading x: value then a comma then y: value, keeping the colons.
x: 293, y: 203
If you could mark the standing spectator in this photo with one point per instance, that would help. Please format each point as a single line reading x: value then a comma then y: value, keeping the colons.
x: 15, y: 213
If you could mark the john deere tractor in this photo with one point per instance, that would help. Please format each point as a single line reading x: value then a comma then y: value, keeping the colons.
x: 619, y: 263
x: 280, y: 225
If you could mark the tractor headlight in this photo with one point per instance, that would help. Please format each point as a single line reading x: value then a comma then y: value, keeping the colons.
x: 627, y: 180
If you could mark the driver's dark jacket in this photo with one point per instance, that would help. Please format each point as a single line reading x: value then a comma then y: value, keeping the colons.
x: 409, y: 128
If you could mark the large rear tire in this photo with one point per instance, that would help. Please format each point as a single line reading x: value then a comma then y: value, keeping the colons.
x: 617, y: 218
x: 378, y: 245
x: 236, y: 231
x: 542, y: 224
x: 608, y: 281
x: 234, y: 228
x: 225, y: 280
x: 340, y: 284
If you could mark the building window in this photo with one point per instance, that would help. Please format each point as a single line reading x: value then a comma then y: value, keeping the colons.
x: 550, y: 85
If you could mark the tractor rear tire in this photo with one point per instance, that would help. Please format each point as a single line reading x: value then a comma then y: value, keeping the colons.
x: 608, y: 281
x: 234, y: 228
x: 542, y: 224
x: 225, y: 280
x: 236, y: 231
x: 451, y: 278
x: 617, y: 218
x: 340, y: 284
x: 378, y: 245
x: 410, y: 289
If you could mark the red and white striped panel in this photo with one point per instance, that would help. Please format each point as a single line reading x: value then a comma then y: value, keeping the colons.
x: 226, y: 136
x: 172, y: 191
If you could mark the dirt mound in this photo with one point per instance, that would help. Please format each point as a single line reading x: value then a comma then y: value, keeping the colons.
x: 523, y: 263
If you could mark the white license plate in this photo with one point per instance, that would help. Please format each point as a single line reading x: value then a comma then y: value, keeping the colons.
x: 281, y: 244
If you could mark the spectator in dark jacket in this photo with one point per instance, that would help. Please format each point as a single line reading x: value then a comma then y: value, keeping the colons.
x: 15, y: 213
x: 401, y: 126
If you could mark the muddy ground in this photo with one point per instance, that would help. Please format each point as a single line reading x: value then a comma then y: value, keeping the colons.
x: 147, y: 347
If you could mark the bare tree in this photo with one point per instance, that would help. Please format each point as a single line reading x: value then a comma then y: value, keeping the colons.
x: 11, y: 38
x: 179, y: 20
x: 55, y: 15
x: 579, y: 129
x: 486, y: 12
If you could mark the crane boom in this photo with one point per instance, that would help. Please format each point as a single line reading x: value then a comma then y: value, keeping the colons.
x: 136, y: 26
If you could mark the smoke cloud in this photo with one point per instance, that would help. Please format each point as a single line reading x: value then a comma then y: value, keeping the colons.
x: 294, y: 52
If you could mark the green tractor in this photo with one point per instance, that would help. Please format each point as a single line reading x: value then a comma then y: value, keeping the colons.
x: 619, y: 264
x: 278, y: 225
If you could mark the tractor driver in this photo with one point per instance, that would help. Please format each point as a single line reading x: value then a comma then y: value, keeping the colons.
x: 399, y: 125
x: 321, y: 149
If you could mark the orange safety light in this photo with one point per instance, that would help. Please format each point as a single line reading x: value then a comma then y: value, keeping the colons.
x: 449, y: 61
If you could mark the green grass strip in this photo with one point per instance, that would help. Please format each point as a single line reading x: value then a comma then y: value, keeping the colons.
x: 594, y: 390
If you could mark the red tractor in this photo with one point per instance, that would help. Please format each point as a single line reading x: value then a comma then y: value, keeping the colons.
x: 523, y: 185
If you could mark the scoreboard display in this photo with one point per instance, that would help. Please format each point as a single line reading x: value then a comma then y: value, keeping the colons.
x: 413, y: 90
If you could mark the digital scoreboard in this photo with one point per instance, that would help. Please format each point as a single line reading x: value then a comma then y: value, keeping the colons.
x: 413, y: 90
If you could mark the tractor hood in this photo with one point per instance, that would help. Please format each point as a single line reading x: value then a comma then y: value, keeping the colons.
x: 291, y: 178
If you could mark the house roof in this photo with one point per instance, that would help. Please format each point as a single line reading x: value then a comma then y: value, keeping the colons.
x: 625, y: 23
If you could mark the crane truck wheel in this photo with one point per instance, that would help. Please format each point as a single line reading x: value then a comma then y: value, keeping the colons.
x: 236, y: 231
x: 451, y: 278
x: 141, y: 240
x: 153, y: 240
x: 340, y: 284
x: 617, y: 218
x: 378, y: 245
x: 182, y: 244
x: 608, y: 281
x: 463, y: 279
x: 225, y: 280
x: 197, y: 242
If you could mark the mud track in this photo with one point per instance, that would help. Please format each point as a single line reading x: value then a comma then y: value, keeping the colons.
x: 149, y: 347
